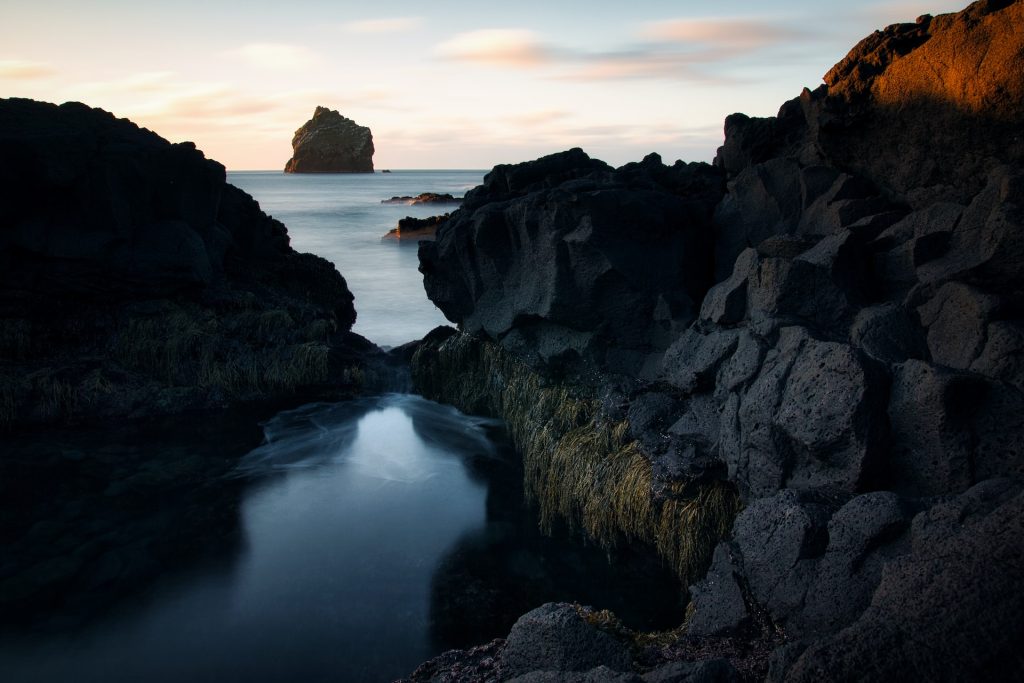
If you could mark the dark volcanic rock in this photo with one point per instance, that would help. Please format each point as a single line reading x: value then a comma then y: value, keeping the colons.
x: 554, y: 637
x: 569, y: 258
x: 949, y: 610
x: 134, y: 280
x: 847, y: 350
x: 331, y: 143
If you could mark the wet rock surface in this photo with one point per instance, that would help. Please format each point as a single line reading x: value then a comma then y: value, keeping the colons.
x: 135, y: 281
x: 331, y: 143
x: 837, y: 335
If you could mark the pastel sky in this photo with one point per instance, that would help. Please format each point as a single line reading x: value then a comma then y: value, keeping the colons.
x: 443, y: 84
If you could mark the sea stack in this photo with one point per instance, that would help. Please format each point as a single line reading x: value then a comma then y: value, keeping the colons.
x: 331, y: 143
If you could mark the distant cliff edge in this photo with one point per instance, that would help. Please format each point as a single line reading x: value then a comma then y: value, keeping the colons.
x: 331, y: 143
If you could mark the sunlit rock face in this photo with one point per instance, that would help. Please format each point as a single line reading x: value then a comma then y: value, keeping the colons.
x: 331, y: 143
x: 924, y: 110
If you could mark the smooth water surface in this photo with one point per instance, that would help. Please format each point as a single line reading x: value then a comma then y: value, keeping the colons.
x: 340, y: 217
x: 357, y: 540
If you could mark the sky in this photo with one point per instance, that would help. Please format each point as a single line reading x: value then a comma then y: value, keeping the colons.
x: 443, y: 84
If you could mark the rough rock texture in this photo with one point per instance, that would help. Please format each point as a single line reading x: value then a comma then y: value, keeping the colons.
x: 567, y: 258
x: 921, y: 109
x: 554, y: 637
x: 845, y: 348
x: 331, y: 143
x: 134, y: 280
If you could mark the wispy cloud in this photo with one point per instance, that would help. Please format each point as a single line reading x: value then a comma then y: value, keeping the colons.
x: 722, y: 37
x: 384, y: 25
x: 22, y: 70
x: 675, y: 49
x: 502, y: 47
x: 277, y: 56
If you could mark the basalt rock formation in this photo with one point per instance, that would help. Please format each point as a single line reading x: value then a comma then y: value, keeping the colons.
x: 566, y: 257
x: 135, y: 281
x: 331, y: 143
x: 835, y: 339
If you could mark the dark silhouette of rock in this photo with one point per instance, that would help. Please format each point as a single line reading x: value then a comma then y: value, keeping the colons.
x: 331, y: 143
x: 135, y: 281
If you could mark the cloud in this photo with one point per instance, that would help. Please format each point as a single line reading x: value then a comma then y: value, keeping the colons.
x: 722, y: 37
x: 277, y: 56
x: 672, y: 49
x: 21, y: 70
x: 502, y: 47
x: 387, y: 25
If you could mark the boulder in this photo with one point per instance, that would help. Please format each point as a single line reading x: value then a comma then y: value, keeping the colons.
x: 331, y: 143
x: 554, y: 637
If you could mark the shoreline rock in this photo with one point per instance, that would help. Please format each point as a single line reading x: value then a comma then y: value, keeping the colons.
x: 134, y: 281
x: 849, y: 369
x: 331, y: 143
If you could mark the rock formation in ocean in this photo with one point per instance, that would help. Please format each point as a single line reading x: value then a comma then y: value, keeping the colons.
x: 135, y: 281
x: 331, y: 143
x: 411, y: 230
x: 424, y: 198
x: 797, y: 374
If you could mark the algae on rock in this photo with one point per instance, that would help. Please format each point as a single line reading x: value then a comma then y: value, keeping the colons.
x: 580, y: 466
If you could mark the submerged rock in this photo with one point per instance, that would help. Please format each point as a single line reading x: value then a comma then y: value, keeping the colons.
x: 135, y: 281
x: 331, y: 143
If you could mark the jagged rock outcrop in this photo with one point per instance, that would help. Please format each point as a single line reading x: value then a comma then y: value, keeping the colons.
x: 566, y: 258
x: 134, y: 280
x: 331, y: 143
x: 852, y: 366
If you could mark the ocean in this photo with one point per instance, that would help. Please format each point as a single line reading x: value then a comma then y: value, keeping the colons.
x: 340, y: 217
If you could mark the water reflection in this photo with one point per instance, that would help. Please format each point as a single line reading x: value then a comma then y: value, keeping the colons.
x: 356, y: 541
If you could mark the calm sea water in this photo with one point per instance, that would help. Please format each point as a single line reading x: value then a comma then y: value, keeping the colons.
x: 333, y: 542
x: 342, y: 542
x: 340, y: 217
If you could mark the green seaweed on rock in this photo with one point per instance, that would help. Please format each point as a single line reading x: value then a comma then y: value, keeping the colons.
x: 579, y: 466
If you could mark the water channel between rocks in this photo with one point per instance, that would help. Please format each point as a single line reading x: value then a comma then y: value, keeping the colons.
x: 342, y: 542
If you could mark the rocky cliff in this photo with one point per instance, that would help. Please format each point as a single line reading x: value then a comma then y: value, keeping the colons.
x: 134, y: 280
x: 331, y: 143
x: 835, y: 338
